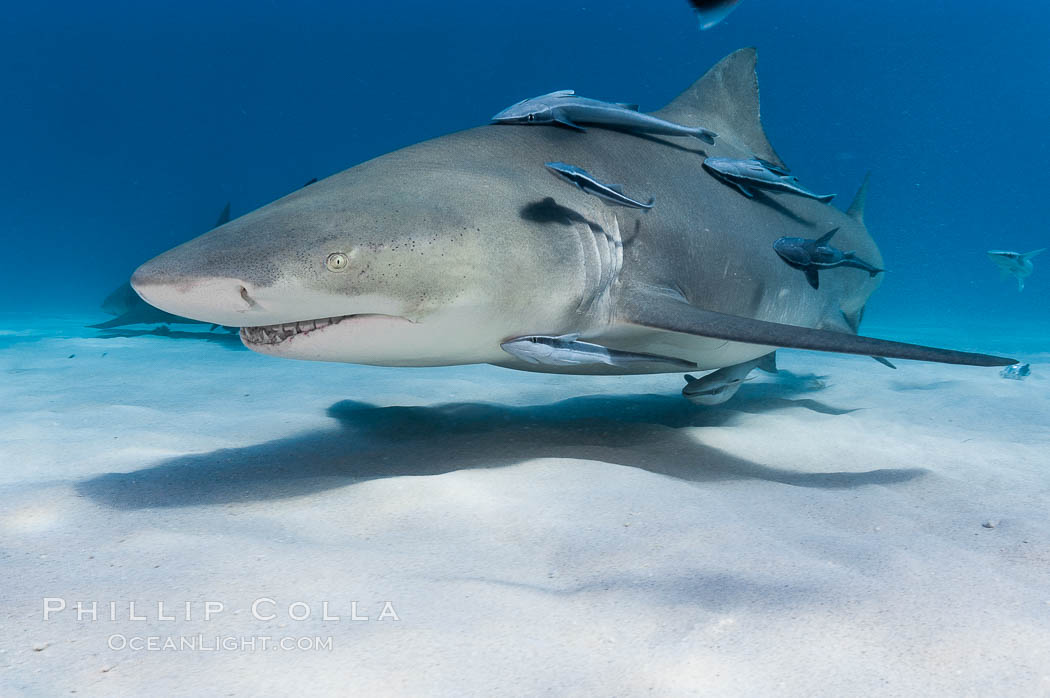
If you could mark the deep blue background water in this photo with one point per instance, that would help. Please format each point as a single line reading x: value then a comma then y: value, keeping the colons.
x: 126, y: 126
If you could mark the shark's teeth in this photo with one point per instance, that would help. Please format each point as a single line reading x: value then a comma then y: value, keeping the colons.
x: 275, y: 334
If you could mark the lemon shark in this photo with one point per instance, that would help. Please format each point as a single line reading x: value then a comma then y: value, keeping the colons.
x: 438, y: 253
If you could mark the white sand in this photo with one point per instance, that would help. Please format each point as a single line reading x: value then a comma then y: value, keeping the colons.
x: 534, y: 534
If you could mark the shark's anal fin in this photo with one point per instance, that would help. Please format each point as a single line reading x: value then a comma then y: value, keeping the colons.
x: 649, y: 308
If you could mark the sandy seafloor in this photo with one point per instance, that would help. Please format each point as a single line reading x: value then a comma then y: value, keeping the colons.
x: 822, y: 534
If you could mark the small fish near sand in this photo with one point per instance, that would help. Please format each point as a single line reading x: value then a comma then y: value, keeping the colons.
x: 586, y: 182
x: 711, y: 12
x: 568, y: 350
x: 1017, y: 372
x: 565, y: 108
x: 719, y: 386
x: 749, y: 174
x: 813, y: 256
x: 1016, y: 264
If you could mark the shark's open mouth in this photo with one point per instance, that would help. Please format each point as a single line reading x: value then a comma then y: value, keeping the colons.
x: 275, y: 334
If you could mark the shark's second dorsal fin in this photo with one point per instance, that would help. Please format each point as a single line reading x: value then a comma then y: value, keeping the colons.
x: 725, y: 101
x: 856, y: 209
x: 224, y: 217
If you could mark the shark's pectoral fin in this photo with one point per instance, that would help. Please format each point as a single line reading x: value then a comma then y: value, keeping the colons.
x: 650, y: 308
x: 884, y: 361
x: 813, y: 278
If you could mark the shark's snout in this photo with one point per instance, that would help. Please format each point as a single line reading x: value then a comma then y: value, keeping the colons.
x: 224, y: 301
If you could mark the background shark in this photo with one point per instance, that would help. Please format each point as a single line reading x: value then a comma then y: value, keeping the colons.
x: 437, y: 253
x: 130, y: 309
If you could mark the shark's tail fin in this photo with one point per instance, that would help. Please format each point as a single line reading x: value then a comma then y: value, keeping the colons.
x: 1033, y: 253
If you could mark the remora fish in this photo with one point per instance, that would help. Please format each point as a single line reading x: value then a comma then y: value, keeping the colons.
x: 1015, y: 264
x: 613, y: 193
x: 568, y: 350
x: 718, y: 386
x: 483, y: 254
x: 711, y: 12
x: 753, y: 173
x: 811, y: 256
x: 565, y: 108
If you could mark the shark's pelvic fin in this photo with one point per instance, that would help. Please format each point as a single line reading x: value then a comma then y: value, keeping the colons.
x: 725, y: 101
x: 860, y: 200
x: 664, y: 312
x: 768, y: 363
x: 885, y: 362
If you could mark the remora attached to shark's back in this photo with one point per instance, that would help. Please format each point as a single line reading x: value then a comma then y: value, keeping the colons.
x: 438, y: 253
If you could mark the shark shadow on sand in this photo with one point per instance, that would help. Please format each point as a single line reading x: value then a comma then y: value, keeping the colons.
x: 650, y: 432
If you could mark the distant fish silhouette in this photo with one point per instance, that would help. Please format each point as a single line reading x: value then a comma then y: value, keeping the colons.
x: 1014, y: 264
x: 711, y: 12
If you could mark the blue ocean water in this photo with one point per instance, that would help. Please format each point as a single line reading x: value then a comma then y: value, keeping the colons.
x: 127, y: 126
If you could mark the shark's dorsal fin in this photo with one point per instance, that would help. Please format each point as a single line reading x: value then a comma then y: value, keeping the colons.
x: 224, y: 217
x: 856, y: 209
x: 725, y: 100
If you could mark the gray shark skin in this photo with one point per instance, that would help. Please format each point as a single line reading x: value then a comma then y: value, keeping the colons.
x: 565, y: 108
x: 1016, y: 264
x: 570, y: 351
x: 721, y: 385
x: 439, y: 253
x: 711, y: 12
x: 612, y: 193
x: 746, y: 175
x: 813, y: 256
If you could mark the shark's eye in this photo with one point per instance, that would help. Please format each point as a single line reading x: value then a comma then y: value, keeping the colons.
x: 531, y: 117
x: 336, y: 261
